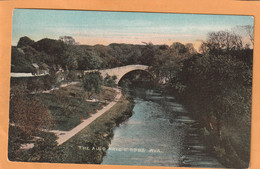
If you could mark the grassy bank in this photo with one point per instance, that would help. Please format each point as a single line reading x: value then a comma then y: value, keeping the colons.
x: 68, y: 105
x: 90, y: 145
x: 232, y: 148
x: 96, y: 137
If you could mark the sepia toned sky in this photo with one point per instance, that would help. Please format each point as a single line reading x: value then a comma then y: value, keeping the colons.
x: 95, y: 27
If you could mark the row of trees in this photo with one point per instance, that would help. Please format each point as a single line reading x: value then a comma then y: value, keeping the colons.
x: 66, y: 54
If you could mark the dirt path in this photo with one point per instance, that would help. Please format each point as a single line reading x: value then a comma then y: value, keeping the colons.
x: 64, y: 136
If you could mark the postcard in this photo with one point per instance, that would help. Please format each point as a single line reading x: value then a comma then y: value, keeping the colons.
x: 131, y: 88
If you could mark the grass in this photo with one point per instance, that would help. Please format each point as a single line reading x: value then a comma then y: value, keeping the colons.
x: 68, y: 105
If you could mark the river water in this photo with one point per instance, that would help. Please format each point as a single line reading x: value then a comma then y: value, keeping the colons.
x: 160, y: 133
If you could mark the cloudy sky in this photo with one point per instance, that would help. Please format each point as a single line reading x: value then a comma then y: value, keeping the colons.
x: 93, y: 27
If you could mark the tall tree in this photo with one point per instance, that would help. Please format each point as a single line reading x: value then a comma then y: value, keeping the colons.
x: 92, y: 83
x: 222, y: 41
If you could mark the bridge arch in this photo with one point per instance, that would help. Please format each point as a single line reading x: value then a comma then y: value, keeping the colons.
x: 119, y: 72
x: 145, y: 71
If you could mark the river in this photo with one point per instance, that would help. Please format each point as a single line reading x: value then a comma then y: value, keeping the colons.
x: 160, y: 133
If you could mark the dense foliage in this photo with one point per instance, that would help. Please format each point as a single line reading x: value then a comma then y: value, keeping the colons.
x: 58, y: 54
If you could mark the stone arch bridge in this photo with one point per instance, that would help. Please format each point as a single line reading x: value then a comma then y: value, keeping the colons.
x: 119, y: 72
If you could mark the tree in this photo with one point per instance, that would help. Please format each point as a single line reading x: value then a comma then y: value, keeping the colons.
x: 72, y: 76
x: 71, y: 62
x: 148, y: 54
x: 92, y: 83
x: 68, y: 40
x: 221, y: 41
x: 110, y: 81
x: 65, y: 103
x: 250, y: 32
x: 167, y: 62
x: 89, y: 61
x: 56, y: 49
x: 190, y: 48
x: 247, y: 31
x: 24, y: 41
x: 179, y: 47
x: 204, y: 49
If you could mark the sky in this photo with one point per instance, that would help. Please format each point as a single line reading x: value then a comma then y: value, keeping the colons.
x: 97, y: 27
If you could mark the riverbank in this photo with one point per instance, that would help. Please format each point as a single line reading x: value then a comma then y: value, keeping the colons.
x: 90, y: 144
x: 231, y: 149
x: 229, y: 139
